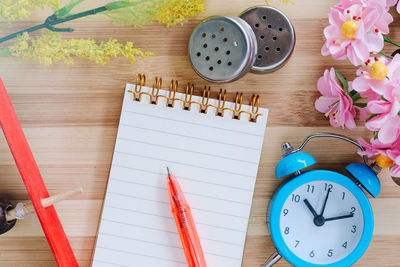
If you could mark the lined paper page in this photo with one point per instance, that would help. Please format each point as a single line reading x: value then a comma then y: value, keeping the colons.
x: 215, y: 160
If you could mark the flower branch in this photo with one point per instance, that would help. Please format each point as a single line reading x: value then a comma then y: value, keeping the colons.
x: 49, y: 47
x: 357, y: 32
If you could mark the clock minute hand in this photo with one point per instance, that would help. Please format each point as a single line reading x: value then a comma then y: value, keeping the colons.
x: 326, y: 200
x: 340, y: 217
x: 314, y: 213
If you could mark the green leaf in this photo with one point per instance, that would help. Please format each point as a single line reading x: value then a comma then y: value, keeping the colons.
x: 5, y: 52
x: 122, y: 4
x: 65, y: 11
x: 136, y: 13
x: 343, y: 81
x: 371, y: 117
x: 361, y: 105
x: 375, y: 135
x: 355, y: 96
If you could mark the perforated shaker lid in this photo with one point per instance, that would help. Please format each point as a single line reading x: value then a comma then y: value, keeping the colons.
x: 275, y: 37
x: 222, y: 48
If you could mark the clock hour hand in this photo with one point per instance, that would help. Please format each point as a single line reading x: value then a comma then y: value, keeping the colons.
x: 340, y: 217
x: 314, y: 213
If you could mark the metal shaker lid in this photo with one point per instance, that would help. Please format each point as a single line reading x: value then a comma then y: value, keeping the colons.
x: 222, y: 48
x: 275, y: 37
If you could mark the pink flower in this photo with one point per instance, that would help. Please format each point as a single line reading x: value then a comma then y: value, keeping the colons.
x: 378, y: 75
x: 382, y: 22
x: 395, y: 171
x: 369, y: 94
x: 376, y: 147
x: 390, y: 3
x: 335, y: 103
x: 387, y: 121
x: 355, y: 30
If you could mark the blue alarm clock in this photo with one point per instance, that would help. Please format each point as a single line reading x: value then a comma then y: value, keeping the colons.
x: 320, y: 217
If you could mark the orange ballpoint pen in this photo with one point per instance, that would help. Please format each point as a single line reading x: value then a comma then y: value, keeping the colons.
x: 185, y: 224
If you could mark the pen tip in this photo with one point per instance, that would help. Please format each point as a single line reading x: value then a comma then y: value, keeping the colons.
x: 169, y: 174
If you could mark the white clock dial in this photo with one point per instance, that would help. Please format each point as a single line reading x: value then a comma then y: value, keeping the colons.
x: 321, y: 239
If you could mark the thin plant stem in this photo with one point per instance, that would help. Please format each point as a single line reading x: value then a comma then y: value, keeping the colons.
x: 13, y: 35
x: 387, y: 40
x: 54, y: 20
x: 386, y: 55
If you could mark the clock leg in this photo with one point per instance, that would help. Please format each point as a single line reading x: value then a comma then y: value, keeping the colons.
x: 272, y: 260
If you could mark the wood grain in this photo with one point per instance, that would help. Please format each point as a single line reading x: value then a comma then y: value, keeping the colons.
x: 70, y: 118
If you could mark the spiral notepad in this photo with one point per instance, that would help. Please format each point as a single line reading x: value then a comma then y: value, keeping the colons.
x: 213, y: 147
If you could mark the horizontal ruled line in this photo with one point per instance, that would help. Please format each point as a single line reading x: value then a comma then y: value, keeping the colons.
x: 139, y: 254
x: 164, y: 245
x: 186, y: 164
x: 130, y: 196
x: 141, y: 226
x: 183, y: 178
x: 111, y: 263
x: 167, y: 203
x: 218, y: 255
x: 141, y: 240
x: 172, y: 232
x: 191, y: 137
x: 186, y: 193
x: 193, y: 123
x: 187, y: 150
x: 170, y: 218
x: 141, y: 212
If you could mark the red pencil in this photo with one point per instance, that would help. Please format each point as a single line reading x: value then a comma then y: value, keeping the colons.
x: 185, y: 224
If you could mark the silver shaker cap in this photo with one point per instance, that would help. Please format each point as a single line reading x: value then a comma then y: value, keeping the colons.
x: 275, y: 37
x: 222, y: 48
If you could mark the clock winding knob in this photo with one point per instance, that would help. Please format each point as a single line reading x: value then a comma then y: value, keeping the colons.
x: 287, y: 149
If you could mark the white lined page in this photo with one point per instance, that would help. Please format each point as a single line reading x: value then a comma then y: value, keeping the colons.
x: 215, y: 160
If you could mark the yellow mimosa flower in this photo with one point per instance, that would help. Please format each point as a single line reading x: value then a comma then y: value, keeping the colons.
x: 49, y: 48
x: 11, y: 10
x: 177, y: 11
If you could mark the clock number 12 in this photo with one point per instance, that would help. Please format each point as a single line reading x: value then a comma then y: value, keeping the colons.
x: 328, y: 187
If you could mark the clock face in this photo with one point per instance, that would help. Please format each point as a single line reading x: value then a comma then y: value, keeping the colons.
x: 321, y: 222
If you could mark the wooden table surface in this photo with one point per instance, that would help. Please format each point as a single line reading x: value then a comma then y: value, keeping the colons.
x: 70, y: 117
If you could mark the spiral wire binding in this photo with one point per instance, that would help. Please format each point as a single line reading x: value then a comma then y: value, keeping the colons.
x: 187, y: 102
x: 140, y: 81
x: 221, y: 103
x: 154, y: 92
x: 188, y: 96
